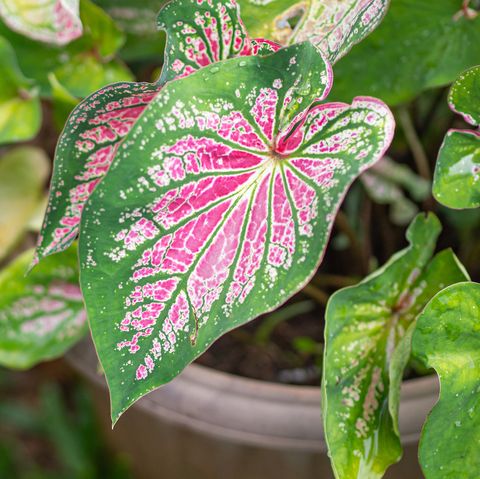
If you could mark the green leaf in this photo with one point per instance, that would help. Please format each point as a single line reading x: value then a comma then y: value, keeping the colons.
x: 20, y: 111
x: 396, y: 62
x: 98, y: 125
x: 366, y: 349
x: 245, y: 154
x: 23, y: 174
x: 42, y: 315
x: 333, y: 26
x: 457, y: 175
x: 447, y: 338
x: 102, y: 30
x: 51, y: 21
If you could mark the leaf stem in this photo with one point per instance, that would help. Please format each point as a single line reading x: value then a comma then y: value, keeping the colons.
x: 416, y: 147
x: 316, y: 293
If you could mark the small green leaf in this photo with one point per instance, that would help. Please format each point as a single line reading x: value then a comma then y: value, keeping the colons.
x: 20, y: 111
x: 51, y: 21
x: 41, y: 315
x: 447, y: 339
x: 457, y: 175
x: 23, y: 174
x: 333, y: 26
x: 396, y: 62
x: 366, y: 349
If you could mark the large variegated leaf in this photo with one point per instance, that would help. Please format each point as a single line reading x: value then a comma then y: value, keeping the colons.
x: 23, y: 174
x: 366, y: 351
x: 447, y: 339
x: 199, y: 33
x: 217, y: 209
x: 20, y: 110
x: 457, y: 175
x: 420, y: 44
x: 332, y: 25
x: 51, y: 21
x: 41, y: 315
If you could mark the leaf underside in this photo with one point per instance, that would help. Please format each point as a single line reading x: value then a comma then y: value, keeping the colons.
x: 457, y: 174
x: 198, y: 34
x: 217, y: 209
x: 333, y: 26
x: 367, y: 348
x: 447, y: 339
x: 42, y: 315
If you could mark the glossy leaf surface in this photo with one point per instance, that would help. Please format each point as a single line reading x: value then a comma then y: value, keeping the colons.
x: 23, y: 174
x: 199, y: 33
x: 41, y: 315
x: 51, y: 21
x: 365, y: 351
x: 20, y: 112
x: 333, y: 25
x: 447, y: 339
x: 457, y: 175
x: 420, y: 44
x: 217, y: 209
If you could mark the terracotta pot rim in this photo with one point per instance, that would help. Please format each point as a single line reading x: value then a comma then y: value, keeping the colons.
x: 250, y: 411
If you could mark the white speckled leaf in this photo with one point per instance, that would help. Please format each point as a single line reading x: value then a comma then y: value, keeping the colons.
x: 41, y: 315
x: 217, y: 209
x: 367, y: 348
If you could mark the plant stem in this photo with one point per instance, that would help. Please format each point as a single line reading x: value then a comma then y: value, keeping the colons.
x: 342, y: 223
x: 317, y: 294
x: 416, y: 147
x: 335, y: 281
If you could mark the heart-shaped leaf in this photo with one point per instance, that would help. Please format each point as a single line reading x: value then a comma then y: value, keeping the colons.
x: 334, y: 26
x: 20, y: 111
x: 51, y: 21
x: 447, y: 339
x: 41, y: 315
x: 198, y: 34
x: 457, y: 175
x: 365, y: 355
x: 217, y: 209
x: 396, y: 63
x: 23, y: 174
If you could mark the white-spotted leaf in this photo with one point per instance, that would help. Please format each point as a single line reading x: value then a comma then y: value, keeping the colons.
x: 217, y: 208
x: 367, y: 348
x: 41, y: 315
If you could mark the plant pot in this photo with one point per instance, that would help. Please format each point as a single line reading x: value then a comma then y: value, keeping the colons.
x: 211, y: 425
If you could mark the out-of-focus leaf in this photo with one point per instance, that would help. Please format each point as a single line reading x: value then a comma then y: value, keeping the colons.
x: 366, y: 349
x: 42, y: 314
x: 23, y: 173
x: 84, y: 65
x: 420, y: 44
x: 51, y: 21
x: 457, y: 175
x: 20, y: 111
x: 447, y: 339
x: 384, y: 183
x: 63, y: 102
x: 334, y: 26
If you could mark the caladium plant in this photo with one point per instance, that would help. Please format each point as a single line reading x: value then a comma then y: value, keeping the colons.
x: 207, y: 198
x: 457, y: 176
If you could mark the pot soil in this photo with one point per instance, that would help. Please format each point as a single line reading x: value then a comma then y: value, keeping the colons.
x: 211, y: 425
